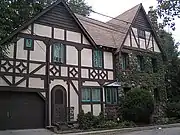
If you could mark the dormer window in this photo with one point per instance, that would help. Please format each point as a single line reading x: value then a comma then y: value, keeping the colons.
x: 141, y: 34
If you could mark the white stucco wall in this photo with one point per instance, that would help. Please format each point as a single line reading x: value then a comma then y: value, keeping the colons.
x: 2, y: 82
x: 73, y: 36
x: 108, y: 60
x: 6, y: 66
x: 86, y: 108
x: 127, y: 41
x: 58, y: 33
x: 39, y: 52
x: 142, y: 43
x: 71, y: 55
x: 110, y: 75
x: 90, y: 83
x: 86, y: 57
x: 85, y: 41
x: 27, y: 31
x: 64, y: 71
x: 134, y: 44
x: 74, y: 101
x: 84, y: 73
x: 36, y: 83
x: 42, y: 30
x: 156, y: 48
x: 135, y: 31
x: 21, y: 53
x: 33, y: 66
x: 96, y: 109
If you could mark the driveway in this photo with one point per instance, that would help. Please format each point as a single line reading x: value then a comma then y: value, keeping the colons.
x: 27, y: 132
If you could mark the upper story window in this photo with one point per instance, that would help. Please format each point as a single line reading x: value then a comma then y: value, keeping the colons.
x: 141, y: 33
x: 125, y: 61
x: 140, y: 63
x: 154, y: 65
x: 111, y: 95
x: 98, y: 58
x: 58, y: 53
x: 28, y: 44
x: 91, y: 95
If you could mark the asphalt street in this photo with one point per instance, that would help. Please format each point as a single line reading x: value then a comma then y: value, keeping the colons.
x: 166, y: 131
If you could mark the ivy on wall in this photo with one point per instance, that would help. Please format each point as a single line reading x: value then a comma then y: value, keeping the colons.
x: 146, y: 79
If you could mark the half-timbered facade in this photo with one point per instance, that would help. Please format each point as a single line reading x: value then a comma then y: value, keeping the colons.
x: 60, y: 63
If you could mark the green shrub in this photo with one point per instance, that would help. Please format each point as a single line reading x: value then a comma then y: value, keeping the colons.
x: 127, y: 124
x: 86, y: 120
x: 173, y: 110
x: 138, y: 106
x: 108, y: 124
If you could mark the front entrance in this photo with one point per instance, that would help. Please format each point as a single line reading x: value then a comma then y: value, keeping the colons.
x: 59, y: 105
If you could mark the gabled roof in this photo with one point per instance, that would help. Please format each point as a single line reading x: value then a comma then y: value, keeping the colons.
x: 26, y: 24
x: 102, y: 33
x: 112, y: 33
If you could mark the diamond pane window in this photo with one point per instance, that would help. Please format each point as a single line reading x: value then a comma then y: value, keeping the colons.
x: 58, y: 54
x: 98, y: 58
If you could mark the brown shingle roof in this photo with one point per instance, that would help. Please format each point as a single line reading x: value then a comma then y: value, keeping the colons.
x: 112, y: 33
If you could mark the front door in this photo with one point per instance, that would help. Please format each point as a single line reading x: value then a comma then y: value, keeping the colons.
x: 59, y: 100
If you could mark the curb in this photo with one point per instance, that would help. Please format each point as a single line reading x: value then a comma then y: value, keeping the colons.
x: 123, y: 130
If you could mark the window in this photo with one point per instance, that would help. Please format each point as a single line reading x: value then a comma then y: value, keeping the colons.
x: 111, y: 95
x: 58, y: 53
x: 86, y: 95
x: 156, y: 95
x: 125, y: 61
x: 97, y: 58
x: 28, y: 44
x: 91, y: 95
x: 141, y: 34
x: 154, y: 65
x: 140, y: 63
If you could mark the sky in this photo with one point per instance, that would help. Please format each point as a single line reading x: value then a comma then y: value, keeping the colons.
x: 115, y: 7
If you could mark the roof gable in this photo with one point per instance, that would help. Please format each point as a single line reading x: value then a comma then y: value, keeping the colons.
x: 46, y: 17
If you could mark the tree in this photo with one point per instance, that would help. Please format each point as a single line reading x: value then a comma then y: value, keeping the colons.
x: 15, y: 12
x: 168, y: 10
x: 172, y: 53
x: 80, y: 7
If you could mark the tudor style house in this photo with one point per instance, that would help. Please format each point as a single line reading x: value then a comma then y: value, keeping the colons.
x: 60, y: 63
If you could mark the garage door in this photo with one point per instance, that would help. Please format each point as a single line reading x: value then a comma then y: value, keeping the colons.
x: 20, y: 110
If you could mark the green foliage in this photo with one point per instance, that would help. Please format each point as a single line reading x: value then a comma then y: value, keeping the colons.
x: 15, y: 12
x: 168, y: 10
x: 108, y: 124
x: 173, y: 110
x: 138, y: 106
x: 127, y: 124
x: 80, y: 7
